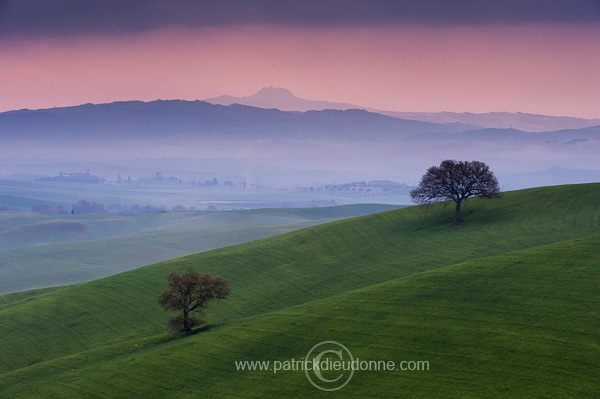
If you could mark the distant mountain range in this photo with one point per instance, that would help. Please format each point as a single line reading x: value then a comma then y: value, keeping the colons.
x: 502, y: 120
x: 277, y: 144
x: 168, y: 120
x: 283, y: 99
x: 199, y: 119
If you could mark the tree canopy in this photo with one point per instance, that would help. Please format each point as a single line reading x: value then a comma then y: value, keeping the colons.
x: 190, y: 293
x: 456, y: 181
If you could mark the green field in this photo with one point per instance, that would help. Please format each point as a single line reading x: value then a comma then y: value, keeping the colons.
x: 39, y: 251
x: 503, y: 305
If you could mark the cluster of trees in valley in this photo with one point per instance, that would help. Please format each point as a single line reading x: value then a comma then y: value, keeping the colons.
x: 160, y: 179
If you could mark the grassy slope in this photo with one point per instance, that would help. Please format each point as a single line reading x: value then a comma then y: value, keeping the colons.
x: 152, y: 238
x: 60, y: 264
x: 523, y: 324
x: 20, y: 229
x: 291, y: 269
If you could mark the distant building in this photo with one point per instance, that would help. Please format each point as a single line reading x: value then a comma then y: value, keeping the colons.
x: 74, y: 178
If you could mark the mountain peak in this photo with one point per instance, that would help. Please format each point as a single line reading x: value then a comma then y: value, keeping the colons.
x: 273, y: 92
x: 280, y: 98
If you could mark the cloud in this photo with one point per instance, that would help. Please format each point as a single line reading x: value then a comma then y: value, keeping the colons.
x: 65, y: 18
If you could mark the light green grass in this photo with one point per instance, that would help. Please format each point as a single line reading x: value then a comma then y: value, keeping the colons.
x: 61, y: 264
x: 20, y: 229
x: 307, y: 267
x: 136, y: 240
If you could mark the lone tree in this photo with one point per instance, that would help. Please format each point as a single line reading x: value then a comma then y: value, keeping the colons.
x: 456, y: 181
x: 190, y: 294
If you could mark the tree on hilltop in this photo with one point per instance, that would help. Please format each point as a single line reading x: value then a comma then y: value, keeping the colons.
x: 456, y: 181
x: 190, y: 293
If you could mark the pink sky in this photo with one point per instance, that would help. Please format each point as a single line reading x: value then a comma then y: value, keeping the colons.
x: 545, y: 69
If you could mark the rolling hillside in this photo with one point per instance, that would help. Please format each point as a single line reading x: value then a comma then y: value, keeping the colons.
x: 76, y: 248
x: 503, y: 305
x: 516, y: 325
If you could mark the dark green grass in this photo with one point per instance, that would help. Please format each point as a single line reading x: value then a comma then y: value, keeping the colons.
x: 519, y: 325
x: 294, y: 268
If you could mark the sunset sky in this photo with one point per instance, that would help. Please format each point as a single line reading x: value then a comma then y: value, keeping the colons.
x: 535, y: 56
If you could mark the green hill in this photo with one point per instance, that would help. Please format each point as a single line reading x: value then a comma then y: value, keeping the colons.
x: 523, y: 324
x: 501, y: 306
x: 21, y: 229
x: 78, y: 248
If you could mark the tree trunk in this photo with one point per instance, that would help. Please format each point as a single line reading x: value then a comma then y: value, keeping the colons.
x: 457, y: 213
x: 186, y: 322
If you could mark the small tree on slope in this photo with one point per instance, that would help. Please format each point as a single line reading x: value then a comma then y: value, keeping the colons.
x: 456, y: 181
x: 190, y: 293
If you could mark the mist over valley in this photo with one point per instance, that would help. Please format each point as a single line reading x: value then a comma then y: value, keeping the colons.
x: 197, y: 140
